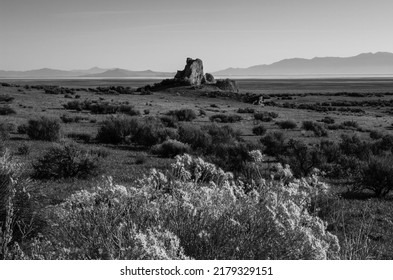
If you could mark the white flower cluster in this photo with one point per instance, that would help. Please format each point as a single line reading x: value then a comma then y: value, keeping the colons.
x: 202, y: 211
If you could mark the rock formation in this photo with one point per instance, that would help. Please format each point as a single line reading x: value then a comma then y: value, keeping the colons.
x: 208, y: 79
x: 192, y: 73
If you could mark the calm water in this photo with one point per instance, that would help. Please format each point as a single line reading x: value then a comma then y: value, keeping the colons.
x: 266, y: 85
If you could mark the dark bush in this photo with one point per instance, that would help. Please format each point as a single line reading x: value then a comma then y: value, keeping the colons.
x: 66, y: 161
x: 23, y: 150
x: 354, y: 146
x: 231, y: 156
x: 5, y: 98
x: 151, y: 131
x: 328, y: 120
x: 350, y: 124
x: 71, y: 119
x: 185, y: 115
x: 265, y: 116
x: 6, y: 110
x: 375, y: 134
x: 274, y: 143
x: 114, y: 130
x: 194, y: 136
x: 287, y: 124
x: 222, y: 118
x: 317, y: 128
x: 222, y: 134
x: 22, y: 129
x: 259, y: 130
x: 170, y: 148
x: 301, y: 158
x: 44, y: 128
x: 169, y: 121
x: 246, y: 110
x: 377, y: 175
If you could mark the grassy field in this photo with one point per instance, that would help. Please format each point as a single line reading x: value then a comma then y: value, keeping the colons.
x: 363, y: 223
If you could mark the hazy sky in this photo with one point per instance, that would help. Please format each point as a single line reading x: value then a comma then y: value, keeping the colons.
x: 160, y: 34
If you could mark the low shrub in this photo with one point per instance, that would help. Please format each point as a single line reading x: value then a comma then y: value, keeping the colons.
x: 194, y: 136
x: 114, y: 130
x: 328, y: 120
x: 246, y: 111
x: 287, y: 124
x: 274, y: 143
x: 375, y: 134
x: 6, y: 110
x: 185, y: 115
x: 169, y: 121
x: 66, y: 161
x: 222, y: 118
x: 259, y: 130
x: 71, y: 119
x: 23, y: 150
x: 377, y: 175
x: 22, y: 129
x: 44, y: 128
x: 151, y: 131
x: 317, y: 128
x: 170, y: 148
x: 350, y: 124
x: 265, y: 116
x: 5, y: 98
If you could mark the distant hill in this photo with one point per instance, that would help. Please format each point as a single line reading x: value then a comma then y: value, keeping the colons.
x: 92, y: 72
x: 119, y: 73
x: 380, y: 63
x: 39, y: 73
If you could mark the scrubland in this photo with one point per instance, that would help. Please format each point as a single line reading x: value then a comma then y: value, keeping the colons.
x: 99, y: 170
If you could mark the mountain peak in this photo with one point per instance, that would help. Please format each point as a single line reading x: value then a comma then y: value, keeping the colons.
x: 364, y: 64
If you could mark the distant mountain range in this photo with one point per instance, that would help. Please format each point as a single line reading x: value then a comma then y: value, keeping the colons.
x: 380, y: 63
x: 94, y: 72
x: 365, y: 64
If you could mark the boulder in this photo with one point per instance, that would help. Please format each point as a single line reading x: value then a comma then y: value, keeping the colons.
x: 208, y: 79
x: 192, y: 73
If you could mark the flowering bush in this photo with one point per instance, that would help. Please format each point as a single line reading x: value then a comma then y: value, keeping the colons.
x: 195, y: 210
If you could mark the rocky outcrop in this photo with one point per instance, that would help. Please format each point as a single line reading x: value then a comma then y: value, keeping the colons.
x: 192, y: 73
x: 208, y: 79
x: 227, y: 85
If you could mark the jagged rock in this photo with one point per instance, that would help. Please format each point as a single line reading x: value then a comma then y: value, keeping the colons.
x: 208, y: 79
x: 192, y: 73
x: 227, y: 85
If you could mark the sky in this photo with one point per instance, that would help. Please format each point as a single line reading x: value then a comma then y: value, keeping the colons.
x: 160, y: 34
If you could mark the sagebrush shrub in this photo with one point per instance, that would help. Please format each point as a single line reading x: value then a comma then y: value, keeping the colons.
x: 114, y: 130
x: 186, y: 115
x: 170, y: 148
x: 206, y: 215
x: 44, y: 128
x: 6, y: 110
x: 377, y: 175
x: 315, y: 127
x: 195, y: 136
x: 223, y: 118
x: 66, y: 161
x: 259, y: 130
x: 274, y: 143
x: 287, y: 124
